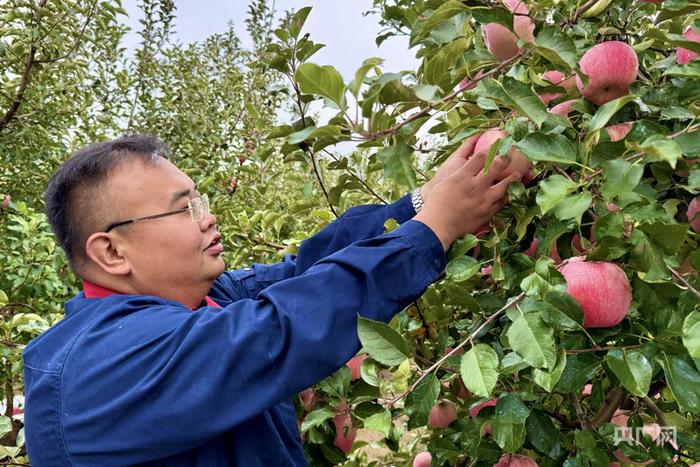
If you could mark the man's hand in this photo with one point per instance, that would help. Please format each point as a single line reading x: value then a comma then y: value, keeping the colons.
x: 450, y: 165
x: 466, y: 199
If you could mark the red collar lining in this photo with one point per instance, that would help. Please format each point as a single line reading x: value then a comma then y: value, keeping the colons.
x: 96, y: 291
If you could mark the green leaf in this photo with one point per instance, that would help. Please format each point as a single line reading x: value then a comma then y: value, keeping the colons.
x: 578, y: 371
x: 444, y: 12
x: 573, y: 207
x: 606, y: 111
x: 533, y: 340
x: 553, y: 190
x: 420, y: 402
x: 361, y: 72
x: 322, y: 81
x: 316, y: 418
x: 462, y: 268
x: 381, y: 342
x: 490, y: 14
x: 691, y: 336
x: 509, y: 423
x: 683, y: 382
x: 298, y: 21
x: 3, y: 299
x: 479, y: 370
x: 380, y: 422
x: 691, y: 70
x: 568, y: 307
x: 660, y: 147
x: 648, y: 257
x: 397, y: 164
x: 556, y: 46
x: 516, y: 96
x: 547, y: 380
x: 542, y: 434
x: 328, y: 131
x: 620, y: 177
x: 437, y: 69
x: 669, y: 236
x: 632, y: 369
x: 547, y: 148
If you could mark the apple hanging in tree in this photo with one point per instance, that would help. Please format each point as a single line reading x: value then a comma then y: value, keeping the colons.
x: 501, y: 41
x: 611, y: 67
x: 600, y: 288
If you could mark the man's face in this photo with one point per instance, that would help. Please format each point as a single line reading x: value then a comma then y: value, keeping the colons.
x: 169, y: 256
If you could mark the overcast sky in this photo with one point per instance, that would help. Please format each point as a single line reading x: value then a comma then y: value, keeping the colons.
x: 349, y: 36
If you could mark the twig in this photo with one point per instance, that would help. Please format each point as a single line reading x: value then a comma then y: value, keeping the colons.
x: 599, y: 349
x: 579, y: 412
x: 469, y: 339
x: 352, y: 174
x: 660, y: 416
x: 639, y: 155
x: 585, y: 7
x: 77, y: 41
x: 615, y: 398
x: 680, y: 277
x: 26, y: 74
x: 444, y: 100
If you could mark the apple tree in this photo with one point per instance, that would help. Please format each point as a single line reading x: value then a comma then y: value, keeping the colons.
x: 567, y: 331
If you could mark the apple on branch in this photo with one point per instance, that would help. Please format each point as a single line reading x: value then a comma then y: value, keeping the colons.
x: 684, y: 56
x: 611, y: 67
x: 600, y: 288
x: 501, y: 41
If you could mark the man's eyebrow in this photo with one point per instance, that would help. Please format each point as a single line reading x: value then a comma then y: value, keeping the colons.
x: 180, y: 194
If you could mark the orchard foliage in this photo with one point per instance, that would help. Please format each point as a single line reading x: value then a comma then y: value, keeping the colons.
x: 613, y: 180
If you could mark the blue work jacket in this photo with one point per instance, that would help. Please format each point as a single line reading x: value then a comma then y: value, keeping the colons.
x: 138, y: 379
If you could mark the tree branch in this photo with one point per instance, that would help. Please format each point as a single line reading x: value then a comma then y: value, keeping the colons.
x: 352, y: 174
x: 469, y: 339
x: 77, y: 41
x: 444, y: 100
x: 680, y: 277
x: 615, y: 398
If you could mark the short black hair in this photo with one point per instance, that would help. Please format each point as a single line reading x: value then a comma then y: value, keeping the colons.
x: 72, y: 195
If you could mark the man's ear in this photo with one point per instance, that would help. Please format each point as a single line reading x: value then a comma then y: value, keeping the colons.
x: 104, y: 250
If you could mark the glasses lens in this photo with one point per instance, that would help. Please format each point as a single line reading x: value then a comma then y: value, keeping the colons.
x: 198, y: 207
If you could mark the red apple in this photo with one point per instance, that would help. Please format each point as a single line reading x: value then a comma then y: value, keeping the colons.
x: 692, y: 213
x: 611, y: 67
x: 501, y: 41
x: 600, y: 288
x: 308, y: 398
x: 684, y: 55
x: 563, y: 109
x: 532, y: 250
x: 618, y: 131
x: 474, y: 411
x: 442, y: 414
x: 345, y: 432
x: 355, y: 365
x: 557, y: 78
x: 423, y: 459
x: 515, y: 460
x: 518, y: 161
x: 6, y: 202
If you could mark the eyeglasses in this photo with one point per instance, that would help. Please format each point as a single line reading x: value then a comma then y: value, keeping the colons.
x: 197, y: 207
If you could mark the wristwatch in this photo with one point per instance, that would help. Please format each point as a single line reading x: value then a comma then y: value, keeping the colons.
x: 417, y: 200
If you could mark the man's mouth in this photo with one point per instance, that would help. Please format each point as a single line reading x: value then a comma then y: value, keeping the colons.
x: 215, y: 247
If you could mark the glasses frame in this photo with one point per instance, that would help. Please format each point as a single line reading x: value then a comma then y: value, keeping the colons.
x: 202, y: 200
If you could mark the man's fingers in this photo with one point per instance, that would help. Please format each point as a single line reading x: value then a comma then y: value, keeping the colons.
x: 475, y: 164
x: 497, y: 167
x: 498, y: 190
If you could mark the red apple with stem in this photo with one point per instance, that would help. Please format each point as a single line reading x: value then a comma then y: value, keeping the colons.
x: 345, y: 432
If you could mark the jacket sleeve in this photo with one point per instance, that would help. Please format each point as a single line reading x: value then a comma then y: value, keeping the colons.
x: 165, y: 379
x: 357, y: 223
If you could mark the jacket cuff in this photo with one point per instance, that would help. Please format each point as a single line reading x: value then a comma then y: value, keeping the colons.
x: 427, y: 245
x: 402, y: 210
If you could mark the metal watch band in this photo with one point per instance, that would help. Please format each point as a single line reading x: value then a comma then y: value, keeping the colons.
x: 417, y: 200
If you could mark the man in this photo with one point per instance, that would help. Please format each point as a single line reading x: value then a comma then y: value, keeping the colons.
x: 166, y: 359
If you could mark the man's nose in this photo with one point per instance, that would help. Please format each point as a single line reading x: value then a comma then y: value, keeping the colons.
x: 207, y: 222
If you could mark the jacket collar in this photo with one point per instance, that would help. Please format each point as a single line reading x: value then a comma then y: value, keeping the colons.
x: 92, y: 290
